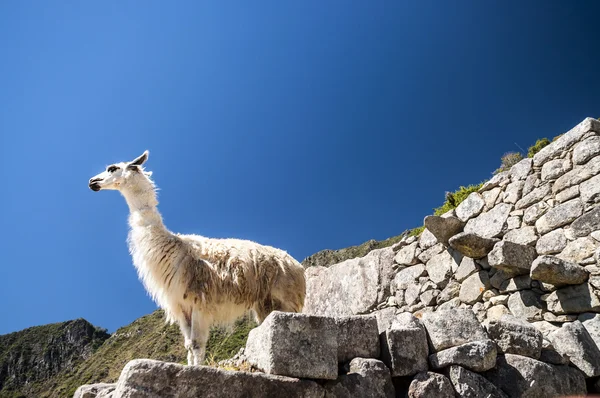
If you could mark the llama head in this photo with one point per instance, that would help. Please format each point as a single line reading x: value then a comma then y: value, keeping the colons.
x: 123, y: 176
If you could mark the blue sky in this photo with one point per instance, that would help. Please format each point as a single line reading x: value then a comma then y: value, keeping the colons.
x: 302, y: 125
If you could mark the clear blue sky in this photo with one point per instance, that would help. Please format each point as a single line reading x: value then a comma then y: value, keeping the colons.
x: 302, y: 125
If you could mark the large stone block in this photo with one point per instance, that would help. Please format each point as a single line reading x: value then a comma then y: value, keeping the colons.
x: 468, y: 384
x: 587, y: 223
x: 512, y: 257
x: 553, y: 270
x: 451, y: 328
x: 368, y: 378
x: 490, y: 224
x: 355, y: 286
x: 472, y: 288
x: 515, y: 336
x: 443, y: 228
x: 573, y: 341
x: 358, y: 337
x: 553, y: 242
x: 429, y: 384
x: 404, y: 345
x: 573, y: 300
x: 295, y: 345
x: 146, y: 378
x: 478, y: 356
x: 577, y: 175
x: 97, y: 390
x: 472, y: 245
x: 470, y: 207
x: 526, y: 304
x: 566, y: 141
x: 560, y: 215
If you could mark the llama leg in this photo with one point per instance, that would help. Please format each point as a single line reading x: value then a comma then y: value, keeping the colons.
x: 199, y: 336
x: 185, y: 325
x: 263, y: 309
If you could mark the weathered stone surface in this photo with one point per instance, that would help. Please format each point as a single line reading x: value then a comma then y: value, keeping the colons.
x: 491, y: 196
x: 357, y: 337
x: 449, y: 305
x: 408, y: 254
x: 525, y: 304
x: 429, y: 384
x: 496, y: 312
x: 513, y: 223
x: 411, y: 294
x: 429, y: 297
x: 146, y: 378
x: 439, y: 268
x: 531, y: 182
x: 491, y: 223
x: 367, y: 378
x: 451, y: 328
x: 512, y: 257
x: 587, y: 223
x: 470, y: 207
x: 404, y: 346
x: 553, y: 242
x: 443, y: 228
x: 427, y: 239
x: 533, y: 197
x: 550, y: 317
x: 468, y: 384
x: 466, y: 268
x: 573, y: 300
x: 565, y: 141
x: 586, y: 150
x: 534, y: 212
x: 521, y: 170
x: 515, y: 336
x: 513, y: 192
x: 500, y: 299
x: 473, y: 287
x: 478, y: 356
x: 567, y: 194
x: 408, y: 275
x: 94, y: 390
x: 451, y: 291
x: 296, y: 345
x: 520, y: 376
x: 351, y: 287
x: 555, y: 168
x: 499, y: 179
x: 573, y: 340
x: 426, y: 255
x: 515, y: 284
x: 553, y: 270
x: 579, y: 250
x: 472, y: 245
x: 590, y: 190
x: 522, y: 236
x: 560, y: 215
x: 591, y: 323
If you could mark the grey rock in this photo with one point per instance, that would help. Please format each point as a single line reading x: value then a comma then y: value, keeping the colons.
x: 451, y: 328
x: 590, y: 190
x: 355, y: 286
x: 404, y: 346
x: 513, y: 192
x: 499, y: 179
x: 466, y: 268
x: 473, y: 287
x: 408, y: 255
x: 491, y: 223
x: 534, y: 212
x: 478, y: 356
x: 472, y: 245
x: 93, y: 390
x: 296, y: 345
x: 367, y: 378
x: 498, y: 277
x: 451, y: 291
x: 146, y: 378
x: 560, y: 215
x: 470, y: 207
x: 544, y: 327
x: 512, y: 257
x: 579, y: 250
x: 573, y: 300
x: 591, y: 323
x: 427, y: 239
x: 525, y: 304
x: 439, y: 268
x: 522, y: 236
x: 555, y: 168
x: 515, y: 336
x: 530, y: 183
x: 553, y: 270
x: 577, y: 175
x: 411, y: 295
x: 499, y: 299
x: 520, y: 376
x: 549, y: 355
x: 586, y: 150
x: 449, y: 305
x: 491, y: 196
x: 515, y: 284
x: 429, y: 384
x: 553, y: 242
x: 587, y: 223
x: 567, y: 194
x: 408, y: 275
x: 533, y: 197
x: 550, y: 317
x: 573, y: 341
x: 565, y: 141
x: 496, y: 312
x: 521, y: 170
x: 429, y: 297
x: 513, y: 223
x: 426, y: 255
x: 357, y: 336
x: 468, y: 384
x: 443, y: 228
x: 385, y: 318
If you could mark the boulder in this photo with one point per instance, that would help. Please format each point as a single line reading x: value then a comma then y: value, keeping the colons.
x: 533, y: 197
x: 522, y: 236
x: 490, y: 224
x: 472, y: 245
x: 147, y: 378
x: 521, y: 170
x: 555, y: 168
x: 550, y: 269
x: 512, y: 257
x: 587, y: 223
x: 429, y: 384
x: 357, y: 336
x: 478, y: 356
x: 468, y: 384
x: 427, y: 239
x: 451, y: 291
x: 515, y: 336
x: 573, y: 300
x: 553, y: 242
x: 472, y: 289
x: 579, y: 250
x: 441, y: 266
x: 408, y: 275
x: 577, y: 175
x: 295, y: 345
x: 567, y: 194
x: 490, y: 197
x: 466, y: 268
x: 404, y: 346
x: 408, y: 254
x: 526, y: 304
x: 586, y: 150
x: 534, y: 212
x: 367, y: 378
x: 565, y: 141
x: 451, y: 328
x: 560, y: 215
x: 573, y: 341
x: 591, y: 323
x: 513, y: 192
x: 95, y: 390
x: 443, y: 228
x: 470, y: 207
x: 531, y: 182
x: 515, y: 284
x: 500, y: 179
x: 426, y: 255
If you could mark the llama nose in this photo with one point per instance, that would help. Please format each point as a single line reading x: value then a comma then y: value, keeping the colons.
x: 96, y: 179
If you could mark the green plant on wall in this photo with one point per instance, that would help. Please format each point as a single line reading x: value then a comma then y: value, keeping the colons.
x: 535, y: 148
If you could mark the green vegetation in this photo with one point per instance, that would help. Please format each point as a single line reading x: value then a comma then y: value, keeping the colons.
x: 535, y: 148
x: 508, y: 160
x: 453, y: 199
x: 416, y: 231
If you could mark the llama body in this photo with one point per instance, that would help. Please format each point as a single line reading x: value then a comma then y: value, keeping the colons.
x: 200, y: 281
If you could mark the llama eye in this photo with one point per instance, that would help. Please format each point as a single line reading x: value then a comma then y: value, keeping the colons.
x: 112, y: 169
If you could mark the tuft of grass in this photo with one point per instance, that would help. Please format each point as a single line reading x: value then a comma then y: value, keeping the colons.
x: 453, y: 199
x: 535, y: 148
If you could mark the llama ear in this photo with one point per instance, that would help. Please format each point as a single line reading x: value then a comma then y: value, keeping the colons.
x: 140, y: 160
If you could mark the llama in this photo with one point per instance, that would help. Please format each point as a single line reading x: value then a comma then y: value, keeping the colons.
x: 200, y: 281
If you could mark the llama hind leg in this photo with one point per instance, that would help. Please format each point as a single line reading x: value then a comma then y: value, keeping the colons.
x: 199, y: 336
x: 185, y: 326
x: 262, y: 309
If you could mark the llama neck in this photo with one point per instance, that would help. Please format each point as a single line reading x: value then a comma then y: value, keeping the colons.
x: 142, y: 208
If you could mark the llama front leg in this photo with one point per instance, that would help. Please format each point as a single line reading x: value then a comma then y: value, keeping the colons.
x: 199, y: 336
x: 185, y: 326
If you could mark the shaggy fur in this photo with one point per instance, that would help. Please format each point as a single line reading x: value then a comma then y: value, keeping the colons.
x: 200, y: 281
